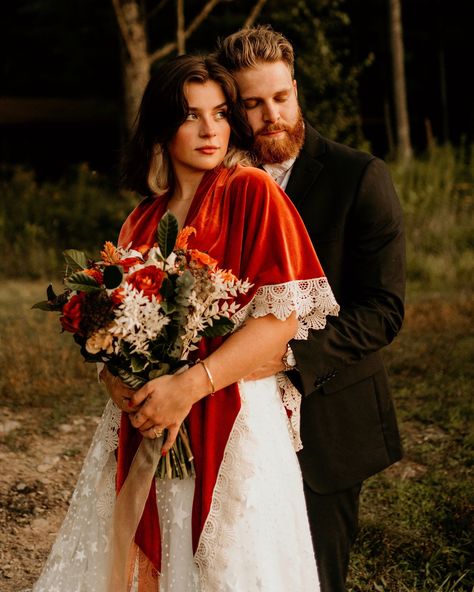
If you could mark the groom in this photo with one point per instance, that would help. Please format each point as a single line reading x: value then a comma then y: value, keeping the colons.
x: 348, y: 203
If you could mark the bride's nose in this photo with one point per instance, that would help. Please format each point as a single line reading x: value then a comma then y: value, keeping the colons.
x: 208, y: 128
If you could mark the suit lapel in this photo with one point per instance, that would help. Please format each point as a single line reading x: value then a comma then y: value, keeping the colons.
x: 306, y: 168
x: 303, y: 175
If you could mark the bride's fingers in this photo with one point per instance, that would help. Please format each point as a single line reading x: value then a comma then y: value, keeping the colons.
x: 151, y: 433
x: 170, y: 440
x: 148, y: 425
x: 139, y: 396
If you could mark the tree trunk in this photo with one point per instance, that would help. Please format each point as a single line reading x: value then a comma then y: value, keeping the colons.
x: 136, y: 62
x: 136, y: 74
x: 136, y: 57
x: 404, y: 148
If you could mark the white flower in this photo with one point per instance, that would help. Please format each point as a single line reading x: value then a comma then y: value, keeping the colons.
x: 138, y: 320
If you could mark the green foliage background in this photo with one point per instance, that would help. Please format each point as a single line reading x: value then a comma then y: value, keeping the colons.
x: 40, y: 220
x: 83, y: 210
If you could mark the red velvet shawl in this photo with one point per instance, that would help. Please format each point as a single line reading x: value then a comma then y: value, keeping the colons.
x: 245, y: 221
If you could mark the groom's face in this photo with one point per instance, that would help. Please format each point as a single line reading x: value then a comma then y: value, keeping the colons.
x: 270, y: 99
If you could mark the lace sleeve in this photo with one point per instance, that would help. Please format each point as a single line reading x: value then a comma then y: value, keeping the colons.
x: 313, y: 301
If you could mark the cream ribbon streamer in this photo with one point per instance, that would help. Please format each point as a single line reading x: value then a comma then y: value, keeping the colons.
x: 129, y: 506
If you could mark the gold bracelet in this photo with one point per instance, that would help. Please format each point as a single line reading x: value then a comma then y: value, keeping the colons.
x: 209, y: 376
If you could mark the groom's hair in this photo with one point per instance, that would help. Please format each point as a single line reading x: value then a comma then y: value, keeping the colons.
x: 251, y: 46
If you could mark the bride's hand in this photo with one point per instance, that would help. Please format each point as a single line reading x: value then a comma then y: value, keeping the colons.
x: 118, y: 391
x: 163, y: 404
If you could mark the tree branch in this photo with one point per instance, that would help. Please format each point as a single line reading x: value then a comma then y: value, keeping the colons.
x: 200, y: 17
x: 162, y: 52
x: 156, y: 9
x: 252, y: 17
x: 169, y: 47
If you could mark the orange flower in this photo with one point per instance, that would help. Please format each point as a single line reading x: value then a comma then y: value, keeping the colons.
x: 148, y: 280
x: 201, y: 259
x: 96, y: 274
x: 143, y: 249
x: 228, y: 276
x: 109, y: 254
x: 183, y: 237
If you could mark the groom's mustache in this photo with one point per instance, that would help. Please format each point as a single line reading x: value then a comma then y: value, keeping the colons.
x: 272, y: 127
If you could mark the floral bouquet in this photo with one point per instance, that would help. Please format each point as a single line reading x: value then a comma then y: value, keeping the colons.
x: 142, y: 311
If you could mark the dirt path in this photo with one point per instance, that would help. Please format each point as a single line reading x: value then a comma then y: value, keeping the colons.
x: 38, y: 475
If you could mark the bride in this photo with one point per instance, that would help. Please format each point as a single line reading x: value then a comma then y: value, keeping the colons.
x: 240, y: 524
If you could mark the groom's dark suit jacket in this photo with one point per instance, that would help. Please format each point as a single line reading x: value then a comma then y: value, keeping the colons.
x: 349, y: 206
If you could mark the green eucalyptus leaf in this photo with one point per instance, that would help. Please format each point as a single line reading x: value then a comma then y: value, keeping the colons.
x: 75, y: 259
x: 186, y: 281
x: 82, y: 282
x: 220, y: 326
x: 167, y: 233
x: 113, y: 275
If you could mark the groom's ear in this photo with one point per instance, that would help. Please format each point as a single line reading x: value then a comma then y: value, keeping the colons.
x: 295, y: 86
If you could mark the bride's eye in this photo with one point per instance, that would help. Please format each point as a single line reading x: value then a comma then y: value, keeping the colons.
x: 221, y: 114
x: 191, y: 116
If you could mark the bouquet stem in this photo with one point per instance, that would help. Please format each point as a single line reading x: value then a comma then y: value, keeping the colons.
x: 178, y: 462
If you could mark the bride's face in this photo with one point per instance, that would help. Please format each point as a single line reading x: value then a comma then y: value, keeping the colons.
x: 201, y: 142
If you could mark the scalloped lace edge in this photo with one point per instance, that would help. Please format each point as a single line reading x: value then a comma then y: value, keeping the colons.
x: 313, y: 301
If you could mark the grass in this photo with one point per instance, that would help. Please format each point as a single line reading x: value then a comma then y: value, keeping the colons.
x: 40, y: 368
x: 416, y: 518
x: 437, y: 195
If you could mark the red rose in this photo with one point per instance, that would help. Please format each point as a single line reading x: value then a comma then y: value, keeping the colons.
x: 148, y: 280
x: 72, y: 314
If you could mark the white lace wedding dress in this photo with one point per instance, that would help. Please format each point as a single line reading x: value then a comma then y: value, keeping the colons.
x: 256, y: 537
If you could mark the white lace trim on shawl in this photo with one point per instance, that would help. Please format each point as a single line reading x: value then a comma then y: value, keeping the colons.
x: 313, y: 301
x: 215, y: 534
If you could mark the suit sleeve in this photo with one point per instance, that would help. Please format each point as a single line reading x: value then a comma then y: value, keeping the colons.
x: 373, y: 284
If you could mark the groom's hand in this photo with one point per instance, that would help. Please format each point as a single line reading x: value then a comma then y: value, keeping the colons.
x: 270, y: 368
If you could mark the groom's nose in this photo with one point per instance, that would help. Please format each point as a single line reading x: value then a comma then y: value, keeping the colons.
x: 271, y: 113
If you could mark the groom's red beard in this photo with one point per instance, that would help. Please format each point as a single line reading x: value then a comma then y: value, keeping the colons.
x: 268, y: 150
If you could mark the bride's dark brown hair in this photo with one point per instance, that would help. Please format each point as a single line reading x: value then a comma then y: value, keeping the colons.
x: 164, y: 108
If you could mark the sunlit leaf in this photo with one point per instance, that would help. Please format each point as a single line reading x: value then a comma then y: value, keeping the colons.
x: 75, y: 259
x: 82, y: 282
x: 167, y: 233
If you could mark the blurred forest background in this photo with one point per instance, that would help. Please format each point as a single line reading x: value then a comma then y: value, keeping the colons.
x: 397, y: 86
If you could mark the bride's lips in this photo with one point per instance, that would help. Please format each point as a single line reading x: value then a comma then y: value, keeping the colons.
x: 208, y: 149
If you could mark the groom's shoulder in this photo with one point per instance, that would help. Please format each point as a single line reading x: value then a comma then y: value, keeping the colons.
x: 322, y: 149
